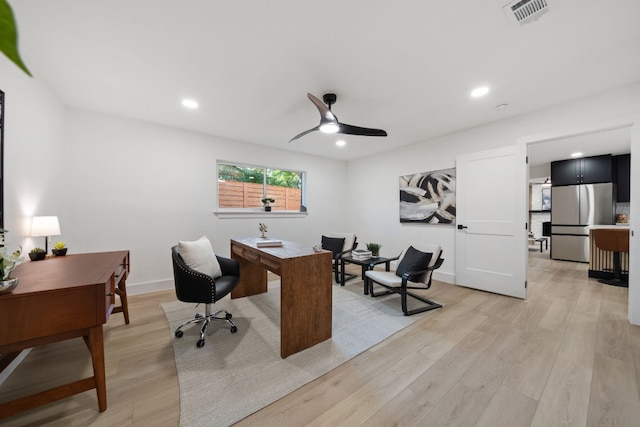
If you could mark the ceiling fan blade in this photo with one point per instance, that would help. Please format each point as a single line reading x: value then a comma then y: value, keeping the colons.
x: 325, y: 112
x: 357, y: 130
x: 304, y: 133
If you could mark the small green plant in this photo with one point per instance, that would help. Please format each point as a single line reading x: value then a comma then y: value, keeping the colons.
x: 60, y: 245
x: 37, y: 250
x: 374, y: 248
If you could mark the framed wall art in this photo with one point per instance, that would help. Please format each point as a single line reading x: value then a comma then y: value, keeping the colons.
x: 428, y: 197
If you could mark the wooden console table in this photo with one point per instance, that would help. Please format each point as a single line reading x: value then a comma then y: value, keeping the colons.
x: 58, y: 299
x: 305, y: 288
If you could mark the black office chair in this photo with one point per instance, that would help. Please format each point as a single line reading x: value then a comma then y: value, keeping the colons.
x: 196, y: 287
x: 413, y: 271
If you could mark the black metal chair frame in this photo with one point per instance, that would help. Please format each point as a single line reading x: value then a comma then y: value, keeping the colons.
x: 404, y: 287
x: 193, y: 286
x: 337, y: 264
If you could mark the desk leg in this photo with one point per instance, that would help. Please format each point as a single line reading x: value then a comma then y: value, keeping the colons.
x: 306, y: 304
x: 121, y: 291
x: 253, y: 278
x: 95, y: 343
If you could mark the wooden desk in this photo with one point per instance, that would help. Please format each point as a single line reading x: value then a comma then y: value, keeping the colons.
x: 305, y: 288
x: 58, y: 299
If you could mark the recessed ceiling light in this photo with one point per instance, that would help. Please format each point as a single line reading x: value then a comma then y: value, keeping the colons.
x: 341, y: 143
x: 576, y: 154
x: 190, y: 103
x: 479, y: 91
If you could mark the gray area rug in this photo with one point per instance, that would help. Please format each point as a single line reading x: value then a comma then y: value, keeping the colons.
x: 234, y: 375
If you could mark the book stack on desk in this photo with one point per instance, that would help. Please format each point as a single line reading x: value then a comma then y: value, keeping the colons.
x: 268, y: 243
x: 360, y: 254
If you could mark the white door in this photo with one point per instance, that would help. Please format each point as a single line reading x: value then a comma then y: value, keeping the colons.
x: 491, y: 219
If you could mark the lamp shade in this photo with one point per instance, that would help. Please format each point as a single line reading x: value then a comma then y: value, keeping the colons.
x: 45, y: 226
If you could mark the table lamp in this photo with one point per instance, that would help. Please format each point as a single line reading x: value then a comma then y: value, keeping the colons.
x: 45, y: 226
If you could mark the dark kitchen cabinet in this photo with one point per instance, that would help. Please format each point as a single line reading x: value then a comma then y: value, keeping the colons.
x: 623, y: 177
x: 587, y: 170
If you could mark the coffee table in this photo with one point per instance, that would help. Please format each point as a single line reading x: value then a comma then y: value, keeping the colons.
x: 366, y: 264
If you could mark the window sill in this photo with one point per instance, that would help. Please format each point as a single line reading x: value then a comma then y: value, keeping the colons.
x: 226, y: 214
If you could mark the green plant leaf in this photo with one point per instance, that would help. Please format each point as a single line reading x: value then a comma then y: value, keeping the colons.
x: 9, y: 36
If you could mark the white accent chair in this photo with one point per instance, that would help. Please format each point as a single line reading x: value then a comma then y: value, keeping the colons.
x: 415, y: 278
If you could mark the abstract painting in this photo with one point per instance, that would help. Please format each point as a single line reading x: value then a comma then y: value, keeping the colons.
x: 428, y: 197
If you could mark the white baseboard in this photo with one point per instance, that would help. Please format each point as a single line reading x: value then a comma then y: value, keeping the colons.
x: 445, y: 277
x: 145, y: 288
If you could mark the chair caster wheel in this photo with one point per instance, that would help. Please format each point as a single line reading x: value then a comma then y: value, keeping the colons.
x: 179, y: 334
x: 200, y: 343
x: 198, y: 316
x: 234, y: 329
x: 228, y: 316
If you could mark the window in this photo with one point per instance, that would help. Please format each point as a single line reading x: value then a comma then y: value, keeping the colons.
x: 242, y: 187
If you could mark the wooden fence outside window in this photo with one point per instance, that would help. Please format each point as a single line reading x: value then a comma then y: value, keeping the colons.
x: 238, y: 195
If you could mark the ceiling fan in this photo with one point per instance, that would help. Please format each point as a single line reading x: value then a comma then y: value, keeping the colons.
x: 329, y: 122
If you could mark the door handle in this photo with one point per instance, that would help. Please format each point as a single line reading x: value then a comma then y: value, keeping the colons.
x: 461, y: 227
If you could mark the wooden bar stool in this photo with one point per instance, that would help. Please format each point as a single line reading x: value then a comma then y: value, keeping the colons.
x: 616, y: 241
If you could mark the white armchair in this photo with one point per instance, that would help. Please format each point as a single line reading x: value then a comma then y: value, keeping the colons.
x: 413, y: 271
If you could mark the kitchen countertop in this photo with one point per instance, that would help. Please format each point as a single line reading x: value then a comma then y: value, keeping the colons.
x: 609, y: 226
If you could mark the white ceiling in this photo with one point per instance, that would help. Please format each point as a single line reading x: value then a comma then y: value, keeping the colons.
x: 406, y: 67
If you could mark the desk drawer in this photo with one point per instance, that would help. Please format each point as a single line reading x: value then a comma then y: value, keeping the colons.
x: 271, y: 265
x: 237, y: 250
x: 120, y: 273
x: 33, y: 316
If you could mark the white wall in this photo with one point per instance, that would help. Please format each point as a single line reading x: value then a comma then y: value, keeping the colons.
x: 143, y: 187
x: 373, y: 181
x: 34, y: 172
x: 117, y: 183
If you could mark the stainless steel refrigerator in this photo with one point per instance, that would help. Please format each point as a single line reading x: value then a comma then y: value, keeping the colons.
x: 573, y: 209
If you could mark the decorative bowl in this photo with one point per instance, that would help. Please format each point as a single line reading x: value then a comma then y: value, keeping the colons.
x: 8, y: 285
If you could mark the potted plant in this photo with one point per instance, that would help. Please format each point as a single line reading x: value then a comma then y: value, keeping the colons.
x: 266, y: 202
x: 37, y: 254
x: 8, y: 261
x: 374, y: 248
x: 59, y: 249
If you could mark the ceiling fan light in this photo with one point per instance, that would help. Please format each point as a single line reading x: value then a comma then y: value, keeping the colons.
x: 329, y: 128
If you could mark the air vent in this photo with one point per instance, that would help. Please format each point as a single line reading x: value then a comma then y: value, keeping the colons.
x: 521, y: 12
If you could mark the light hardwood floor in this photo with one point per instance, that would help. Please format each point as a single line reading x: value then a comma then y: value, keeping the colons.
x: 567, y: 356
